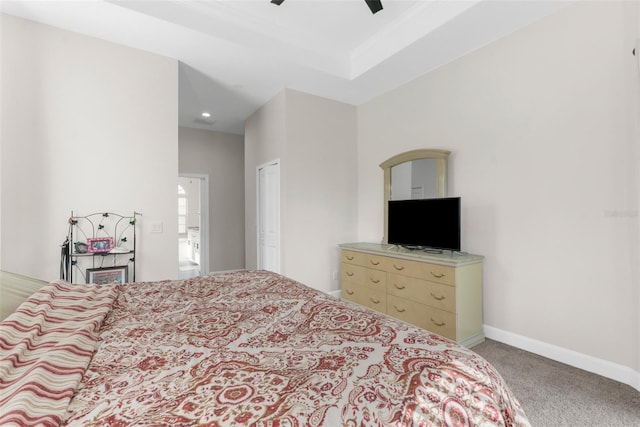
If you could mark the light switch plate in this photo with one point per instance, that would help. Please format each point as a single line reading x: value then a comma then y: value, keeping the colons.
x: 155, y: 227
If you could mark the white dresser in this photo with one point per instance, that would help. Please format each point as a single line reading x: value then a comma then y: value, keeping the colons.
x: 438, y: 292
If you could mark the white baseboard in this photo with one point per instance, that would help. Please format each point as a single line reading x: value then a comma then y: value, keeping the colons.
x: 335, y: 293
x: 614, y: 371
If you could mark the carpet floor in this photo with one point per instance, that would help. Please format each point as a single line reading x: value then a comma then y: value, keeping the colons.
x: 556, y: 395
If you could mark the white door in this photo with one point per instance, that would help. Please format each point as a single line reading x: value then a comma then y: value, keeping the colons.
x: 269, y: 216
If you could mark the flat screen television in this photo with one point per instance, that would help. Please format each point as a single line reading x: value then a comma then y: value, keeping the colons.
x: 425, y: 223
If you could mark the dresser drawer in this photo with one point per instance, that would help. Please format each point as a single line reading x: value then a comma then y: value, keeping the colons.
x: 375, y: 261
x: 433, y: 319
x: 439, y: 273
x: 365, y: 260
x: 351, y: 257
x: 360, y: 294
x: 433, y: 272
x: 424, y: 292
x: 373, y: 279
x: 405, y: 267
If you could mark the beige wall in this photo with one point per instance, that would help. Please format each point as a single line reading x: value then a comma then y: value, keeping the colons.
x: 87, y: 126
x: 320, y: 184
x: 314, y: 138
x: 221, y: 157
x: 637, y: 173
x: 543, y: 129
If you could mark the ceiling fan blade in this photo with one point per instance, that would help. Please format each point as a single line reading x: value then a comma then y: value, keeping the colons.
x: 374, y: 5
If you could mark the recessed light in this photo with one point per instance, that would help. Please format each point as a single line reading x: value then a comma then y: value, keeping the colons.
x: 205, y: 114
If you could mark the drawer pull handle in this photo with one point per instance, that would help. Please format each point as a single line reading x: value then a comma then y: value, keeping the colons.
x: 399, y: 310
x: 436, y: 297
x: 349, y: 273
x: 437, y: 275
x: 399, y: 287
x: 398, y: 268
x: 376, y: 281
x: 437, y: 323
x: 375, y: 301
x: 349, y: 257
x: 374, y: 262
x: 350, y: 292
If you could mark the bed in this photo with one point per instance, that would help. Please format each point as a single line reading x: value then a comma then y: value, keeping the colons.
x: 239, y: 348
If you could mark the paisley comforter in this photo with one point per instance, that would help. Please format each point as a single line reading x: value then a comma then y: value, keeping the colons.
x: 256, y: 348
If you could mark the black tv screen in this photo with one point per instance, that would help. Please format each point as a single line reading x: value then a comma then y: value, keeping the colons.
x: 428, y: 223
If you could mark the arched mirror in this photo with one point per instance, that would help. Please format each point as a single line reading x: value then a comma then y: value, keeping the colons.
x: 417, y: 174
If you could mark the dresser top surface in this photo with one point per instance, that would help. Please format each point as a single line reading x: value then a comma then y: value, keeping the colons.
x: 445, y: 258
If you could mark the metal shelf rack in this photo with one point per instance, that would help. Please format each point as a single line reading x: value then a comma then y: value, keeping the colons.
x: 117, y: 256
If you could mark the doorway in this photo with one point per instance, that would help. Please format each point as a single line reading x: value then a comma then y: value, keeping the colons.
x: 269, y: 216
x: 193, y: 218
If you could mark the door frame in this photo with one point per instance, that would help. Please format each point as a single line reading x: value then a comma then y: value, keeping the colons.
x: 279, y: 242
x: 204, y: 218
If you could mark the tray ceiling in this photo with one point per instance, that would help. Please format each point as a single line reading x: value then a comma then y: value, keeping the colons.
x: 235, y: 55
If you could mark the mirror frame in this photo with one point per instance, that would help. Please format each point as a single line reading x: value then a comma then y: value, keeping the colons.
x: 441, y: 157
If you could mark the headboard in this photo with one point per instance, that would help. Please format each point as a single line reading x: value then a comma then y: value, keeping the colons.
x: 14, y: 289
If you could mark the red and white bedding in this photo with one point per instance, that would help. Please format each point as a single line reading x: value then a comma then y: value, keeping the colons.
x: 46, y: 344
x: 255, y: 348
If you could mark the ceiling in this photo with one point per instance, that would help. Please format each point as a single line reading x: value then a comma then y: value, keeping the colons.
x: 235, y: 55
